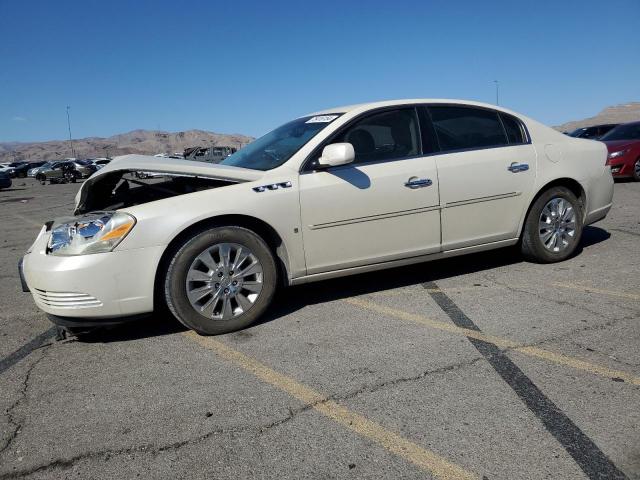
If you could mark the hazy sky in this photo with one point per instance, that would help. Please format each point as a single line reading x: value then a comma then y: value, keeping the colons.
x: 247, y: 67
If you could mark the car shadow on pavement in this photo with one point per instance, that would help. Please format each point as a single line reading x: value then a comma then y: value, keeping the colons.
x: 290, y: 300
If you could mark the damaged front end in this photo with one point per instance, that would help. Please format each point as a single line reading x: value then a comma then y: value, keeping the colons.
x: 136, y: 179
x: 125, y: 188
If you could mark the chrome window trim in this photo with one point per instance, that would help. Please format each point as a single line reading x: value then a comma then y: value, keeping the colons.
x: 305, y: 167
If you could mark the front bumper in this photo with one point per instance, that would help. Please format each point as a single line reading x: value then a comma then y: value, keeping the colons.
x: 96, y: 286
x: 620, y: 170
x: 622, y: 167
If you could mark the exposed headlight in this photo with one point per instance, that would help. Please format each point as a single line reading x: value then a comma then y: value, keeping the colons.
x: 617, y: 154
x: 97, y: 232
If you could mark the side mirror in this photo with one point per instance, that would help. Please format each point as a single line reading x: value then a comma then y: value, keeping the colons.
x: 337, y: 154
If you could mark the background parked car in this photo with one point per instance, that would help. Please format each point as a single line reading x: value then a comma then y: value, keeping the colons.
x: 32, y: 172
x: 623, y: 143
x: 100, y: 162
x: 15, y: 165
x: 5, y: 168
x: 594, y: 132
x: 5, y: 180
x: 22, y: 170
x: 64, y: 172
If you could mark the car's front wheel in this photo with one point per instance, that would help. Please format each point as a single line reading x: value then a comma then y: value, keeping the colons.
x: 553, y: 227
x: 220, y: 280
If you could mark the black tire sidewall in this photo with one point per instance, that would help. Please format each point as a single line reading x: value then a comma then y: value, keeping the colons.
x: 532, y: 247
x: 635, y: 176
x: 175, y: 279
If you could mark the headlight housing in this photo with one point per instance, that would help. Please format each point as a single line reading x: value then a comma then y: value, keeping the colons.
x: 97, y: 232
x: 617, y: 154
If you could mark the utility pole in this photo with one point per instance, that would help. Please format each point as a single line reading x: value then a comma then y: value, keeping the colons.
x: 73, y: 152
x: 497, y: 92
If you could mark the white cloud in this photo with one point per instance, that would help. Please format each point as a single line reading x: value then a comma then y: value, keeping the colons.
x: 19, y: 119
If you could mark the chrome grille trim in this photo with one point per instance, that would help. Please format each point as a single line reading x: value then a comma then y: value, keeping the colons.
x: 65, y: 299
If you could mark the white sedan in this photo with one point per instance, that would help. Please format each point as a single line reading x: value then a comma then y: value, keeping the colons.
x: 333, y: 193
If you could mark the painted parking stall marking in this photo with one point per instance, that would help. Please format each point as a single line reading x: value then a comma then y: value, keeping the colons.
x: 593, y: 462
x: 631, y: 296
x: 500, y: 342
x: 424, y: 459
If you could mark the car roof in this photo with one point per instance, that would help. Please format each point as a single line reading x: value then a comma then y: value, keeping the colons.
x: 409, y: 101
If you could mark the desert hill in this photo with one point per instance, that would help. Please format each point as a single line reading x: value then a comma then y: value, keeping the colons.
x: 627, y: 112
x: 137, y: 141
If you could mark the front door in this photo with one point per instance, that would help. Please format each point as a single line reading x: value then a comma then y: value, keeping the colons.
x: 384, y: 206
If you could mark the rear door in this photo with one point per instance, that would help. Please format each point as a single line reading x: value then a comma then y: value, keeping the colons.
x: 382, y: 207
x: 486, y: 171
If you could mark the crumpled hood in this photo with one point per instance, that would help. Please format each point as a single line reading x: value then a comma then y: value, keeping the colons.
x: 173, y: 165
x: 148, y: 163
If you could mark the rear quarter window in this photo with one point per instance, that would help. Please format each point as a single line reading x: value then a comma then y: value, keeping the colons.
x: 514, y: 129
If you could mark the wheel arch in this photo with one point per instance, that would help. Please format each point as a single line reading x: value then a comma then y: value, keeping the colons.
x: 572, y: 184
x: 256, y: 225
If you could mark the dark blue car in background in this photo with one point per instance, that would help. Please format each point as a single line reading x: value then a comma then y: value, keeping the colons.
x: 5, y: 180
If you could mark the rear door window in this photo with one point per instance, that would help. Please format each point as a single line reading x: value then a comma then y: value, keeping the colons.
x: 462, y: 128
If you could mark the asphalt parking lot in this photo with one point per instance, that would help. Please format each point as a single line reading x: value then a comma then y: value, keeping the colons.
x: 482, y: 366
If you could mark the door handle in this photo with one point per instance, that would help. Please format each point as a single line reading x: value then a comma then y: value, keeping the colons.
x: 415, y: 182
x: 516, y: 167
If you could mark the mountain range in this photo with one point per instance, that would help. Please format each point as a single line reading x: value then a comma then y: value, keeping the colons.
x: 137, y: 141
x: 626, y: 112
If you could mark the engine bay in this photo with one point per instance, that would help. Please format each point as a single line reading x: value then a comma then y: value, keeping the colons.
x: 125, y: 188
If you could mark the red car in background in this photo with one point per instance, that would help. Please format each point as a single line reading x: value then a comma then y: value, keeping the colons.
x: 623, y: 143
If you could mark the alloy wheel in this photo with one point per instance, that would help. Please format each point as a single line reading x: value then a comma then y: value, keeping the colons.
x: 224, y: 281
x: 557, y: 225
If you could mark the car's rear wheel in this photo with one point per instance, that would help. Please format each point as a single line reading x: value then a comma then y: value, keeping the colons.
x: 220, y: 280
x: 553, y: 227
x: 636, y: 170
x: 70, y: 176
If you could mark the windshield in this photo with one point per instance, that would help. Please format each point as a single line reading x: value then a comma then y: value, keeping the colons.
x: 577, y: 132
x: 630, y: 131
x: 278, y: 146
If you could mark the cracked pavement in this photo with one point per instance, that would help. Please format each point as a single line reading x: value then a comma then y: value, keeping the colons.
x: 142, y: 400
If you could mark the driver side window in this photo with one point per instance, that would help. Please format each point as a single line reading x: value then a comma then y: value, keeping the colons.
x: 384, y: 136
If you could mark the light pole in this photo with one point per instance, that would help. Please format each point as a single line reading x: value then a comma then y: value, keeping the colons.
x: 73, y: 152
x: 497, y: 92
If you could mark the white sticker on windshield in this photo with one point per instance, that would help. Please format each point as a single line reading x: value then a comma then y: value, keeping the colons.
x: 322, y: 119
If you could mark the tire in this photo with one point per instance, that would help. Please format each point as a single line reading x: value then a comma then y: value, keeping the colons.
x: 567, y: 227
x: 636, y: 171
x: 42, y: 179
x: 225, y: 307
x: 69, y: 177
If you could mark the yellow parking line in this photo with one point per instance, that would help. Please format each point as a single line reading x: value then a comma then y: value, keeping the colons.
x: 425, y: 459
x: 498, y: 341
x: 612, y: 293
